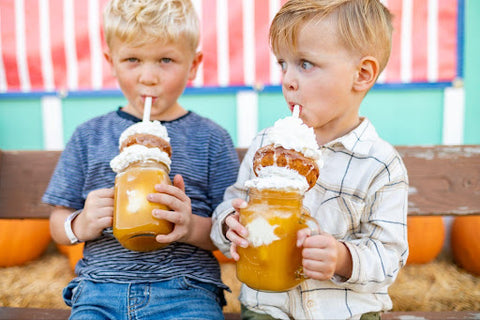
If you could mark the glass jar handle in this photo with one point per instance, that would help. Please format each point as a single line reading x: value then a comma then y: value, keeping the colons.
x: 312, y: 224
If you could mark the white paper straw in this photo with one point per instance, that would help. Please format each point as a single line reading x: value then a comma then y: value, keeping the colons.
x: 147, y: 108
x: 296, y: 111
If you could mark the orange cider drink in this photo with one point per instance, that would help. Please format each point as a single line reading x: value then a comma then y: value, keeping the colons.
x: 272, y: 261
x: 133, y: 223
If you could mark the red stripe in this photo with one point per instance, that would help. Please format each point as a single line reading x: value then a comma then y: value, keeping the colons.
x: 262, y: 50
x: 8, y: 46
x: 57, y: 44
x: 447, y: 45
x: 82, y: 44
x: 209, y: 43
x: 235, y: 42
x: 393, y: 66
x: 419, y: 41
x: 32, y: 45
x: 109, y: 82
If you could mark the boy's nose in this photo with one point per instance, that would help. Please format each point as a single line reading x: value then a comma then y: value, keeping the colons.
x: 289, y: 81
x: 148, y: 76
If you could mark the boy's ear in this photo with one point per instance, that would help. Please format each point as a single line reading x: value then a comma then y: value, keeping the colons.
x: 367, y: 73
x: 108, y: 57
x: 197, y: 60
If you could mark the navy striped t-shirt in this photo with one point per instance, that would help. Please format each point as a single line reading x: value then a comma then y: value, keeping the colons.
x: 202, y: 152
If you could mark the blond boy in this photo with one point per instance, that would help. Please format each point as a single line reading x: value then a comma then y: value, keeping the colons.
x: 152, y: 50
x: 331, y: 53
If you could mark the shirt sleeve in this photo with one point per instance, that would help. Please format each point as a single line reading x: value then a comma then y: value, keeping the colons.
x: 236, y: 190
x: 66, y: 184
x: 380, y: 248
x: 223, y: 168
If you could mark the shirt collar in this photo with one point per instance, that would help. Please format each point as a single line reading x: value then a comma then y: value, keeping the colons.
x: 359, y: 140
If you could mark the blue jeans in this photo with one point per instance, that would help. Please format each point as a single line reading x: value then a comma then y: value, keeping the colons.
x: 178, y: 298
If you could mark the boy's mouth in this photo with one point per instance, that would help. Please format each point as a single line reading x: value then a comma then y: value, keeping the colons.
x: 292, y: 105
x: 145, y: 96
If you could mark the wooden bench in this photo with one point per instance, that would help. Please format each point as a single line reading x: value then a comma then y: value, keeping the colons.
x: 444, y: 180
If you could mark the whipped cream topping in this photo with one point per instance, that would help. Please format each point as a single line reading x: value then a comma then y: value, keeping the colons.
x: 145, y: 127
x: 260, y: 232
x: 291, y: 133
x: 136, y: 153
x: 273, y: 177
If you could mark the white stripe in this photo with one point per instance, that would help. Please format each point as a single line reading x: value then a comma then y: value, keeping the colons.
x: 70, y: 45
x: 223, y: 64
x: 432, y: 41
x: 247, y: 117
x: 198, y: 81
x: 453, y: 115
x: 96, y: 57
x: 3, y: 76
x: 52, y: 123
x: 21, y: 53
x: 249, y: 42
x: 406, y: 41
x: 383, y: 76
x: 45, y: 45
x: 275, y: 74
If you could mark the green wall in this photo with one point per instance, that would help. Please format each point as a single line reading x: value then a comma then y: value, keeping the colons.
x: 472, y: 72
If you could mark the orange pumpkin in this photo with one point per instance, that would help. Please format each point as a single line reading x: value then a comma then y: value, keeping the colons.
x: 221, y: 257
x: 22, y: 240
x: 73, y: 253
x: 426, y: 235
x: 465, y: 243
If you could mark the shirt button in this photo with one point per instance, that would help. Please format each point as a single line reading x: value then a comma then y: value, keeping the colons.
x: 310, y: 303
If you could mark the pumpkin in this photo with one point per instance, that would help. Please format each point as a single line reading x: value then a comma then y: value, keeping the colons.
x: 22, y: 240
x: 73, y: 253
x: 465, y: 243
x: 426, y: 235
x: 221, y: 257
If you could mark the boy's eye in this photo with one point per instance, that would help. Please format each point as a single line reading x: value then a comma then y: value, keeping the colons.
x: 166, y: 60
x: 283, y: 65
x: 306, y: 65
x: 132, y: 59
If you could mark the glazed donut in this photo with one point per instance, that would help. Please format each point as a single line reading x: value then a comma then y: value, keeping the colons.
x: 281, y: 157
x: 147, y: 140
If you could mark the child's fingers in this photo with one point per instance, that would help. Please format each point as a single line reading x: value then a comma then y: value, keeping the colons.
x: 302, y: 236
x: 238, y: 204
x: 236, y: 239
x: 233, y: 252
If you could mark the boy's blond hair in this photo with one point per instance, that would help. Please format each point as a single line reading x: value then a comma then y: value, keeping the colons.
x: 364, y: 26
x: 141, y: 21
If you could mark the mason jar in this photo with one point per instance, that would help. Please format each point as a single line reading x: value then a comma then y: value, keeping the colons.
x: 272, y: 261
x: 134, y: 226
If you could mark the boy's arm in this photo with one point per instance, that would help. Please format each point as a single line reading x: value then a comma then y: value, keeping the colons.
x: 57, y: 221
x: 225, y: 208
x: 380, y: 248
x: 96, y: 215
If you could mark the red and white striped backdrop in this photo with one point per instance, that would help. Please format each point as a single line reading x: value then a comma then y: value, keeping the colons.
x: 50, y: 45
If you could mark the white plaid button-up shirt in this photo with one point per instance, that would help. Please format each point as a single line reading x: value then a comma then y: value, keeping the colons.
x: 361, y: 199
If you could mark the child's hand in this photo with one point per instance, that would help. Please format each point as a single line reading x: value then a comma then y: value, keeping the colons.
x: 236, y: 232
x: 97, y: 215
x: 180, y: 213
x: 323, y: 256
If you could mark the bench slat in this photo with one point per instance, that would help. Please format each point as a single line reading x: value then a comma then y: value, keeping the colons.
x: 444, y: 180
x: 24, y: 176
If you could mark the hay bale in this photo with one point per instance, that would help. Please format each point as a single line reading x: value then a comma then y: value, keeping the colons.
x: 435, y: 286
x: 37, y: 284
